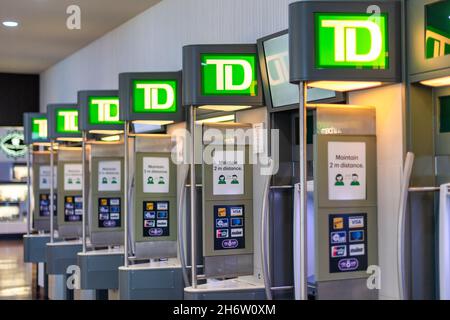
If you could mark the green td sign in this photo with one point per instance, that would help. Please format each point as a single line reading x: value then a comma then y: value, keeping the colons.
x: 104, y: 110
x: 38, y: 128
x: 229, y: 74
x: 155, y: 96
x: 67, y: 121
x: 351, y: 40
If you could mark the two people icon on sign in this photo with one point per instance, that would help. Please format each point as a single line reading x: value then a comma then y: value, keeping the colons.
x: 339, y: 180
x: 234, y: 179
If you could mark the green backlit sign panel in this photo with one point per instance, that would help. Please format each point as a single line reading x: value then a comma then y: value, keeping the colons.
x: 39, y: 127
x: 351, y: 40
x: 437, y: 29
x: 104, y: 110
x: 155, y: 96
x: 67, y: 121
x: 229, y: 74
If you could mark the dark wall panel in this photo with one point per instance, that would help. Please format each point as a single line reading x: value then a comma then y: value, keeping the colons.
x: 19, y: 93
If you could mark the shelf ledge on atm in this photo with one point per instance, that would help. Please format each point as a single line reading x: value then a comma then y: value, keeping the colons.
x: 103, y: 252
x: 40, y: 235
x: 169, y: 264
x: 226, y: 285
x: 65, y: 243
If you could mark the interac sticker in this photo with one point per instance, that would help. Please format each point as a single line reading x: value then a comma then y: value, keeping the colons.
x: 73, y: 175
x: 228, y: 172
x: 44, y: 177
x: 346, y: 170
x: 109, y: 176
x: 156, y: 175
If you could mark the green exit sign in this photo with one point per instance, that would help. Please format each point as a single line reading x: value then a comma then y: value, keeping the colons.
x: 351, y: 40
x: 38, y: 128
x: 104, y: 110
x: 155, y: 96
x: 229, y: 74
x: 67, y: 121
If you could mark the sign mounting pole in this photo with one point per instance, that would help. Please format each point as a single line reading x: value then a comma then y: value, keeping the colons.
x: 125, y: 207
x: 52, y: 191
x: 83, y: 192
x: 30, y: 149
x: 303, y: 193
x: 193, y: 204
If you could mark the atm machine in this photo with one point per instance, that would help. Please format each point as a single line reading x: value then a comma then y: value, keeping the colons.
x: 349, y: 165
x: 38, y: 213
x: 152, y: 269
x: 424, y: 264
x: 225, y: 79
x: 61, y: 251
x: 102, y: 132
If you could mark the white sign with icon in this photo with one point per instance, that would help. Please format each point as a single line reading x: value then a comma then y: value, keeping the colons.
x: 73, y: 176
x: 44, y: 177
x: 156, y: 174
x: 228, y: 172
x: 109, y: 176
x: 346, y: 171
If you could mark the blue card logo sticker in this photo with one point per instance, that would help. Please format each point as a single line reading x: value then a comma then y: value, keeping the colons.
x: 356, y: 222
x: 222, y: 223
x: 155, y: 232
x: 230, y: 244
x: 338, y: 237
x: 237, y: 222
x: 338, y: 251
x: 357, y: 249
x: 356, y: 236
x: 348, y: 264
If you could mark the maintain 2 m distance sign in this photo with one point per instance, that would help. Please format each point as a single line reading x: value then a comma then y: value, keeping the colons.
x: 344, y: 41
x: 221, y: 75
x: 150, y: 96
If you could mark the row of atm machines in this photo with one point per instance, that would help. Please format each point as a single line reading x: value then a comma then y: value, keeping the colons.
x: 251, y: 174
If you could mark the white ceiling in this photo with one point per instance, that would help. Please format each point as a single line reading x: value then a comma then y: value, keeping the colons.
x: 42, y: 38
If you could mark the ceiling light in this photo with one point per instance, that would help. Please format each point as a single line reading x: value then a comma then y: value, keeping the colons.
x: 343, y: 86
x: 109, y: 132
x: 110, y: 138
x: 223, y: 108
x: 10, y: 24
x: 438, y: 82
x: 153, y: 122
x: 228, y: 118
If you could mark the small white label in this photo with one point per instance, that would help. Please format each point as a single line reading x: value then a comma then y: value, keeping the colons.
x: 356, y: 222
x: 357, y: 249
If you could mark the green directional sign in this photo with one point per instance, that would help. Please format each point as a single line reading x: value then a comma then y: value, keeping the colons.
x: 104, y: 110
x: 39, y: 128
x: 351, y: 40
x: 67, y: 121
x: 155, y: 96
x: 229, y: 74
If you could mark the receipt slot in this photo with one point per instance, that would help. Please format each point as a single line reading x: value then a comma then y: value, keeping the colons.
x: 150, y: 102
x: 38, y: 213
x: 61, y: 253
x: 104, y: 216
x: 230, y: 203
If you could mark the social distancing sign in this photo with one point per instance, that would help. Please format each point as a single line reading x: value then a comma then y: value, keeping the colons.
x: 44, y: 177
x: 228, y: 172
x: 346, y: 171
x: 73, y: 176
x: 109, y: 176
x: 156, y: 174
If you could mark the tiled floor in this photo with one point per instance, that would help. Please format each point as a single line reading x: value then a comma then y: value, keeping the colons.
x: 15, y: 275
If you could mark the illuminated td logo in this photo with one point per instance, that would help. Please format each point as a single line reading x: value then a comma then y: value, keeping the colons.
x: 351, y: 40
x: 229, y: 74
x: 104, y: 110
x: 154, y: 96
x: 67, y: 121
x: 39, y: 128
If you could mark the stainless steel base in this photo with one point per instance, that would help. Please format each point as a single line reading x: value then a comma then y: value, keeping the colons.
x: 61, y: 255
x: 99, y: 270
x: 34, y: 247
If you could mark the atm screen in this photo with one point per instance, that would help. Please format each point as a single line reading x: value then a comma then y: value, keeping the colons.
x: 155, y: 219
x: 73, y: 208
x: 282, y: 92
x: 109, y: 213
x: 44, y: 205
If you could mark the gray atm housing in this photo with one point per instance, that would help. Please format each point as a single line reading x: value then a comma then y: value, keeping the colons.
x: 230, y: 262
x: 163, y: 246
x: 104, y: 236
x: 67, y: 229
